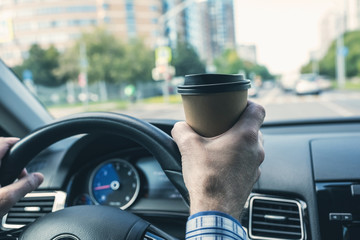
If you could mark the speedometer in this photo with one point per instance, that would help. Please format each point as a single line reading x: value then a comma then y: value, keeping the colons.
x: 115, y: 183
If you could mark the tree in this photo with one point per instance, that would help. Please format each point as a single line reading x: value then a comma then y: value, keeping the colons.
x: 307, y: 68
x: 105, y: 55
x: 41, y: 63
x: 139, y: 62
x: 69, y: 67
x: 262, y: 71
x: 327, y: 65
x: 109, y: 59
x: 230, y: 63
x: 186, y: 60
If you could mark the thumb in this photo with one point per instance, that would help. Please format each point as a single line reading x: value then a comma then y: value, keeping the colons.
x: 183, y: 134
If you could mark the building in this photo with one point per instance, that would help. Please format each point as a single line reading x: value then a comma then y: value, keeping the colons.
x: 174, y: 23
x: 328, y: 31
x: 207, y: 25
x: 60, y: 22
x: 336, y: 21
x: 198, y: 28
x: 353, y: 15
x: 210, y: 27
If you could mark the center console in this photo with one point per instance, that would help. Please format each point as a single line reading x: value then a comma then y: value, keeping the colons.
x: 337, y: 177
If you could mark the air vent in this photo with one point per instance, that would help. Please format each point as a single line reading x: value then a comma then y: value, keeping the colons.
x: 31, y: 207
x: 274, y: 218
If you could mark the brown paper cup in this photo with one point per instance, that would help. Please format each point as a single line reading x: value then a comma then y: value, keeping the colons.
x: 213, y: 102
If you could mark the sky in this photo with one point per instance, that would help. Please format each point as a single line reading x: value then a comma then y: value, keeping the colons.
x: 284, y: 31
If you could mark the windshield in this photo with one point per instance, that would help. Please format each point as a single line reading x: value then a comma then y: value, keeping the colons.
x: 302, y: 56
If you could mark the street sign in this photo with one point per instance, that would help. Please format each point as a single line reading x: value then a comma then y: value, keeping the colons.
x: 82, y: 80
x: 164, y: 72
x: 163, y: 55
x: 27, y: 75
x: 344, y: 51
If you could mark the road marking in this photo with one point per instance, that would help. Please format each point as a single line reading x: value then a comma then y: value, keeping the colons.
x: 337, y: 108
x: 271, y: 96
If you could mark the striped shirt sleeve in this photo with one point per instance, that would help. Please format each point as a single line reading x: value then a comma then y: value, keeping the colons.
x: 213, y: 225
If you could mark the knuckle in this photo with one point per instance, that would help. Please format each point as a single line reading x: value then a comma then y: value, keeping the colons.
x: 258, y: 111
x: 261, y: 111
x: 183, y: 136
x: 176, y: 130
x: 261, y: 155
x: 250, y: 136
x: 176, y: 125
x: 258, y: 174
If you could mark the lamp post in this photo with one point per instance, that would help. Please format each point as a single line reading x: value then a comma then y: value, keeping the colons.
x: 83, y: 81
x: 164, y: 71
x: 341, y: 50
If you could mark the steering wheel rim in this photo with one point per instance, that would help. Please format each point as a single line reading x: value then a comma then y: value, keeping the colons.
x: 150, y: 137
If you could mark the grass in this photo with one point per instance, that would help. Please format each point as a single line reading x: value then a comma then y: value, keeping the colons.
x: 352, y: 85
x: 94, y: 106
x: 160, y: 99
x: 349, y: 85
x: 62, y: 110
x: 109, y: 105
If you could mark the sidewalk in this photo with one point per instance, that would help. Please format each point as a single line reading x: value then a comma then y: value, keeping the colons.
x: 138, y: 110
x: 155, y: 111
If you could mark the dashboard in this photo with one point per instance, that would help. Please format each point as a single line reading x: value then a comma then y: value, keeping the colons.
x: 309, y: 187
x: 119, y: 181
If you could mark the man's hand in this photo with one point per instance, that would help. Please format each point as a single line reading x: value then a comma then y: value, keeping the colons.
x: 12, y: 193
x: 220, y: 172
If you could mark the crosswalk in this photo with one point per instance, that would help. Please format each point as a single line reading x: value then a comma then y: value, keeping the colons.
x: 341, y: 103
x: 276, y: 96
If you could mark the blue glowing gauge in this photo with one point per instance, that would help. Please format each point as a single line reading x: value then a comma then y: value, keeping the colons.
x: 115, y: 183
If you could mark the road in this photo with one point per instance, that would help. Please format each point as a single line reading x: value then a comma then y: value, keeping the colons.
x: 278, y: 104
x: 329, y: 104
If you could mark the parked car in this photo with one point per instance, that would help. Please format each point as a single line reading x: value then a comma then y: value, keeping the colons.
x: 307, y: 84
x: 288, y: 81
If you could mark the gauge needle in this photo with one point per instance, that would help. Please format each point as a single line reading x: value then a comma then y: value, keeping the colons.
x: 102, y: 187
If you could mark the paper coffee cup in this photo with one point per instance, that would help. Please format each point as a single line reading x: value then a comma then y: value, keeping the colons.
x: 213, y: 102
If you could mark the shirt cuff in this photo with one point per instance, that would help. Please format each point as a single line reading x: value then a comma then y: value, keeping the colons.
x: 210, y: 225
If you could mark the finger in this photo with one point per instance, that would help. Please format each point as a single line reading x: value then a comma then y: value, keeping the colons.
x: 26, y: 184
x: 261, y: 155
x: 181, y: 131
x: 249, y: 123
x: 185, y: 137
x: 261, y: 138
x: 252, y: 117
x: 10, y: 194
x: 258, y: 174
x: 5, y: 144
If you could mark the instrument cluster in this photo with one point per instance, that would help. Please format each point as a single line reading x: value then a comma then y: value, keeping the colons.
x: 120, y: 183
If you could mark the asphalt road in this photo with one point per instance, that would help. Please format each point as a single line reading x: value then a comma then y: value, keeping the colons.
x: 329, y: 104
x: 279, y: 105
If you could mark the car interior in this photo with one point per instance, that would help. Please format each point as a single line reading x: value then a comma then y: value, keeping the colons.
x: 112, y: 174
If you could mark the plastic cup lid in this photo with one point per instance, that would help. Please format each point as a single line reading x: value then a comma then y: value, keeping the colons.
x: 213, y: 83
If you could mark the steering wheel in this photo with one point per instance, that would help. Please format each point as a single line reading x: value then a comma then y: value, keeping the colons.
x: 94, y: 222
